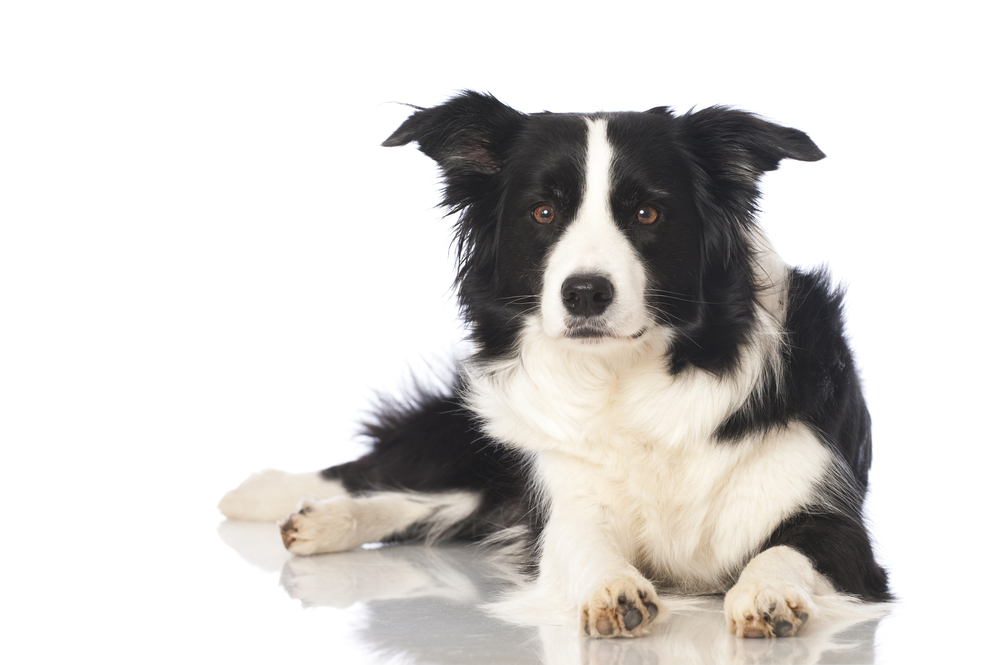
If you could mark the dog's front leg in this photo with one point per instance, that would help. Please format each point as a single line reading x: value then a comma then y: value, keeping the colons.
x: 581, y: 556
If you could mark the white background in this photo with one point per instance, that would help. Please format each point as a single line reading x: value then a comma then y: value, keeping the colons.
x: 208, y: 266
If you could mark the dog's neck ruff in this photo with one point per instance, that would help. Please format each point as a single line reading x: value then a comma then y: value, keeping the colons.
x: 559, y: 393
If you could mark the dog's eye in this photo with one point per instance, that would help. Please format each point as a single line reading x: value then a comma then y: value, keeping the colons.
x: 543, y: 214
x: 646, y: 215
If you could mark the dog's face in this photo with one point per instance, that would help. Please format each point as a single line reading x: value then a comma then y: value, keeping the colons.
x: 596, y: 223
x: 596, y: 229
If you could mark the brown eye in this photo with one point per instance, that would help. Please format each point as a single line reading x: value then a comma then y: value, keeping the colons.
x: 646, y: 215
x: 543, y: 214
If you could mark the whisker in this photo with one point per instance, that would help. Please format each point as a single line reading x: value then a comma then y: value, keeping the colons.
x: 668, y: 316
x: 521, y: 298
x: 679, y: 296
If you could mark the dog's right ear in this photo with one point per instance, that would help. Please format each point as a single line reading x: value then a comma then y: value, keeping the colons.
x: 463, y: 135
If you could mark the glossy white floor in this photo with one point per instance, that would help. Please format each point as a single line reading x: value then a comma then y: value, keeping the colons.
x: 427, y: 605
x: 208, y: 266
x: 140, y: 576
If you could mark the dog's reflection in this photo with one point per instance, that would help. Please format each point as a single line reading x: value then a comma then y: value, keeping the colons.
x: 697, y: 633
x: 431, y: 605
x: 397, y: 573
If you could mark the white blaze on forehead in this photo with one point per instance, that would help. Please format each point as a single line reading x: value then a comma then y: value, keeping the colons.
x: 593, y: 244
x: 597, y: 181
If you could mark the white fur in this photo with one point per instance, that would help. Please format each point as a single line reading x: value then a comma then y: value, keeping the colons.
x: 688, y: 514
x: 623, y: 449
x: 343, y: 523
x: 271, y: 495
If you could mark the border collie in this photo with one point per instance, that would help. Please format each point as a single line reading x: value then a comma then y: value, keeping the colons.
x: 655, y: 400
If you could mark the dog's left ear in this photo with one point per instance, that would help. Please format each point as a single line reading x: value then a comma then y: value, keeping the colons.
x: 732, y: 143
x: 464, y: 135
x: 728, y: 151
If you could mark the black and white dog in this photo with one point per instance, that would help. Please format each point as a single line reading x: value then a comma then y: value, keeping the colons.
x: 655, y: 400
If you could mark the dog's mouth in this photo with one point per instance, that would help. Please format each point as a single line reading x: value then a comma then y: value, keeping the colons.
x: 597, y: 334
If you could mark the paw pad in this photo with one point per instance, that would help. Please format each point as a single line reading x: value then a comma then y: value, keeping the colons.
x: 627, y: 613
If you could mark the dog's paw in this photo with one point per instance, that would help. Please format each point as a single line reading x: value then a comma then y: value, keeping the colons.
x: 322, y: 526
x: 271, y: 495
x: 621, y: 607
x: 766, y: 608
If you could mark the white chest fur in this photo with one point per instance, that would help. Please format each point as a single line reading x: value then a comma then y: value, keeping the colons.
x: 623, y: 444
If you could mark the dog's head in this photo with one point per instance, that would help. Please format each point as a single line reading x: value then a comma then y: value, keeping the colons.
x: 597, y: 229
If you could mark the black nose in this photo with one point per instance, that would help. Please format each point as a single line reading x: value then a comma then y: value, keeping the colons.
x: 587, y: 295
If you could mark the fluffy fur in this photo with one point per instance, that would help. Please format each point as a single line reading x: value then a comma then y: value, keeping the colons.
x: 655, y: 403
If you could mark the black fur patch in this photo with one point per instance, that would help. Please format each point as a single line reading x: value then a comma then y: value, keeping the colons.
x: 432, y: 444
x: 817, y: 383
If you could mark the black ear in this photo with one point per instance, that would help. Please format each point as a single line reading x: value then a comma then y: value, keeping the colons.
x: 736, y: 141
x: 727, y: 152
x: 464, y: 135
